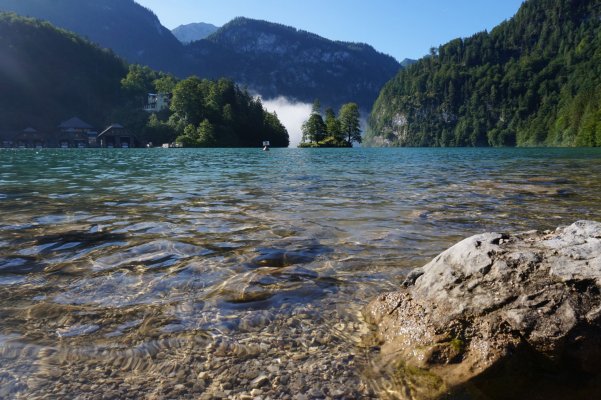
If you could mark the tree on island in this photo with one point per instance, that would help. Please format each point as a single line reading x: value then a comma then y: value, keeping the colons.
x: 314, y: 129
x: 334, y: 134
x: 339, y: 131
x: 349, y: 123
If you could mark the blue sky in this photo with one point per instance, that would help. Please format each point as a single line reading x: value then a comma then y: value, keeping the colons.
x: 401, y: 28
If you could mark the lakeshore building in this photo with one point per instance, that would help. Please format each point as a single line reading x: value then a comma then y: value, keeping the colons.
x: 116, y: 136
x: 157, y: 102
x: 76, y: 133
x: 71, y: 133
x: 27, y: 138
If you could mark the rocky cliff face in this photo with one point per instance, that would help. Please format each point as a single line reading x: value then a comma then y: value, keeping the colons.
x: 500, y: 313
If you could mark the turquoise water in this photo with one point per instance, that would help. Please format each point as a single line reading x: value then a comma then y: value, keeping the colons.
x: 185, y: 267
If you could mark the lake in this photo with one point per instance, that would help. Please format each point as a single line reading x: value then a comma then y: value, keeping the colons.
x: 224, y: 273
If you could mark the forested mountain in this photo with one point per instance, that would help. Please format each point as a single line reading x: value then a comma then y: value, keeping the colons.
x: 130, y: 30
x: 270, y: 59
x: 48, y: 75
x: 535, y: 80
x: 192, y: 32
x: 277, y: 60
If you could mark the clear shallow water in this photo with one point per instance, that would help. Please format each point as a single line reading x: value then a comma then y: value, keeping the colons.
x: 214, y: 272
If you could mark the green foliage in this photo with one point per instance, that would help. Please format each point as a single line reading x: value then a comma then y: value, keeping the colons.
x: 188, y: 100
x: 296, y: 64
x: 206, y: 113
x: 349, y: 123
x: 334, y: 132
x: 291, y: 63
x: 138, y: 82
x: 141, y: 80
x: 201, y: 136
x: 164, y: 83
x: 314, y: 129
x: 535, y: 80
x: 157, y: 130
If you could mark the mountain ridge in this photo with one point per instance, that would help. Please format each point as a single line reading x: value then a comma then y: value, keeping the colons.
x: 275, y: 59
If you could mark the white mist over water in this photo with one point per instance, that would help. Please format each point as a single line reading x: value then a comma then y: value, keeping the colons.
x: 292, y: 115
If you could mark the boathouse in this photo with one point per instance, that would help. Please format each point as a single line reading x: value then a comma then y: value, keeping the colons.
x: 30, y: 138
x: 116, y: 136
x: 27, y: 138
x: 76, y: 133
x: 72, y: 133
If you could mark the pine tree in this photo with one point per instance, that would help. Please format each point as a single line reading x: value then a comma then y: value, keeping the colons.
x: 333, y: 128
x: 349, y: 123
x: 314, y: 129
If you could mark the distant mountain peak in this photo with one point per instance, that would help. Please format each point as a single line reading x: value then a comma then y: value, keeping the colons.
x: 195, y: 31
x: 407, y: 62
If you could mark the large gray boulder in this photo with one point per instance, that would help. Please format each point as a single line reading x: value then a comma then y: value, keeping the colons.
x: 496, y: 298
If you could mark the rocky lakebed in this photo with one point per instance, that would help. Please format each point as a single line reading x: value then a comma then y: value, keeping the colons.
x: 496, y: 316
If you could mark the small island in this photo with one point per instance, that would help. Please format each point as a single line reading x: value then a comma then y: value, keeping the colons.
x: 336, y: 131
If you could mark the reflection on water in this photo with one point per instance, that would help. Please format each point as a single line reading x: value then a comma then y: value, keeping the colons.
x: 233, y: 273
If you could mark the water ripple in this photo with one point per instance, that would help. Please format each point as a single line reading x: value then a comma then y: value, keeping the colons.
x: 207, y: 267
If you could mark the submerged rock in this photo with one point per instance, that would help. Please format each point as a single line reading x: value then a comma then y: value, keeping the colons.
x: 501, y: 311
